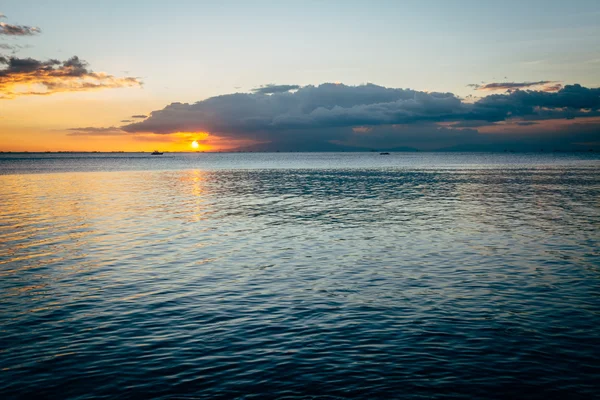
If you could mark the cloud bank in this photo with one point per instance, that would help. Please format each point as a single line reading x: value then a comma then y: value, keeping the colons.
x: 27, y: 76
x: 367, y: 115
x: 327, y: 105
x: 335, y: 105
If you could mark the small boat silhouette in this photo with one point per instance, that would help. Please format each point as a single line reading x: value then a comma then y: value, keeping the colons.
x: 384, y: 154
x: 156, y: 153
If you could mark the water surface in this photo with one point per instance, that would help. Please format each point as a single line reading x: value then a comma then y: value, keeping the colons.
x: 299, y: 275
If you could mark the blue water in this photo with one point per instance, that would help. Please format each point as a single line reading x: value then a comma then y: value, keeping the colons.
x: 299, y: 276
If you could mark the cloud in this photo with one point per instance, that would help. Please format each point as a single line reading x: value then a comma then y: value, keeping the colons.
x: 527, y: 123
x: 511, y: 85
x: 272, y: 88
x: 471, y: 124
x: 139, y: 116
x: 552, y: 88
x: 113, y: 131
x: 157, y: 138
x: 325, y: 106
x: 95, y: 131
x: 570, y: 101
x: 359, y: 115
x: 424, y: 136
x: 362, y: 129
x: 2, y: 16
x: 18, y: 30
x: 27, y: 76
x: 126, y: 120
x: 332, y: 105
x: 14, y: 48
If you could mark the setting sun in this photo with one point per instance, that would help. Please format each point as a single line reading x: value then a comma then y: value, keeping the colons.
x: 195, y: 144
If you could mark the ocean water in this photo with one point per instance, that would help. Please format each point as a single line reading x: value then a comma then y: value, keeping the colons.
x: 299, y: 276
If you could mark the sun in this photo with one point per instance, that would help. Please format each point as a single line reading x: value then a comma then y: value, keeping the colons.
x: 195, y: 144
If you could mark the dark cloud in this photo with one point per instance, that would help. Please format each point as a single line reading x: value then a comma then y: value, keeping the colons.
x: 27, y: 76
x: 424, y: 136
x: 18, y: 30
x: 126, y: 120
x: 570, y: 101
x: 471, y: 124
x: 511, y: 85
x: 139, y: 116
x: 272, y: 88
x: 332, y: 105
x: 358, y: 115
x: 327, y: 105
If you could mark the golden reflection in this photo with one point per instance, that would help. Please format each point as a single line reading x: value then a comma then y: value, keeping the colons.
x: 94, y: 218
x: 193, y: 188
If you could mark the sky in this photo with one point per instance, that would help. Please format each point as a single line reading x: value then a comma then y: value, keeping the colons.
x: 299, y: 75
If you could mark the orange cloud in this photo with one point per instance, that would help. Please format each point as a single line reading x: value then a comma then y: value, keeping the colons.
x: 362, y: 129
x: 27, y: 76
x: 552, y: 88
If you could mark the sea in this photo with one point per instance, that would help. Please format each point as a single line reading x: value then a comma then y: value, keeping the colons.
x: 300, y: 275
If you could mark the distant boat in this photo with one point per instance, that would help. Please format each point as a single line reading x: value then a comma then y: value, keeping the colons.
x: 156, y: 153
x: 384, y: 154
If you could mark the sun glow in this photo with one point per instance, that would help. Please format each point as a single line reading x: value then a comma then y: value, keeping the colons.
x: 195, y: 144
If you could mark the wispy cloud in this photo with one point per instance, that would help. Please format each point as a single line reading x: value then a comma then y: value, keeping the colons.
x: 474, y: 123
x: 511, y: 85
x: 96, y: 131
x: 272, y: 88
x: 27, y: 76
x: 527, y: 123
x: 362, y: 129
x: 13, y: 48
x: 141, y: 116
x: 18, y: 30
x: 552, y: 88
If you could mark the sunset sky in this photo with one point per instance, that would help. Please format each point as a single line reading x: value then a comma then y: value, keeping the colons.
x: 299, y: 75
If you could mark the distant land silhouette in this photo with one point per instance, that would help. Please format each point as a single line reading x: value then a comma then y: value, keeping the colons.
x: 313, y: 147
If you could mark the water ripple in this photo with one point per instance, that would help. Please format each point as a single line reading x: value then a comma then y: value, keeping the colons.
x: 292, y: 281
